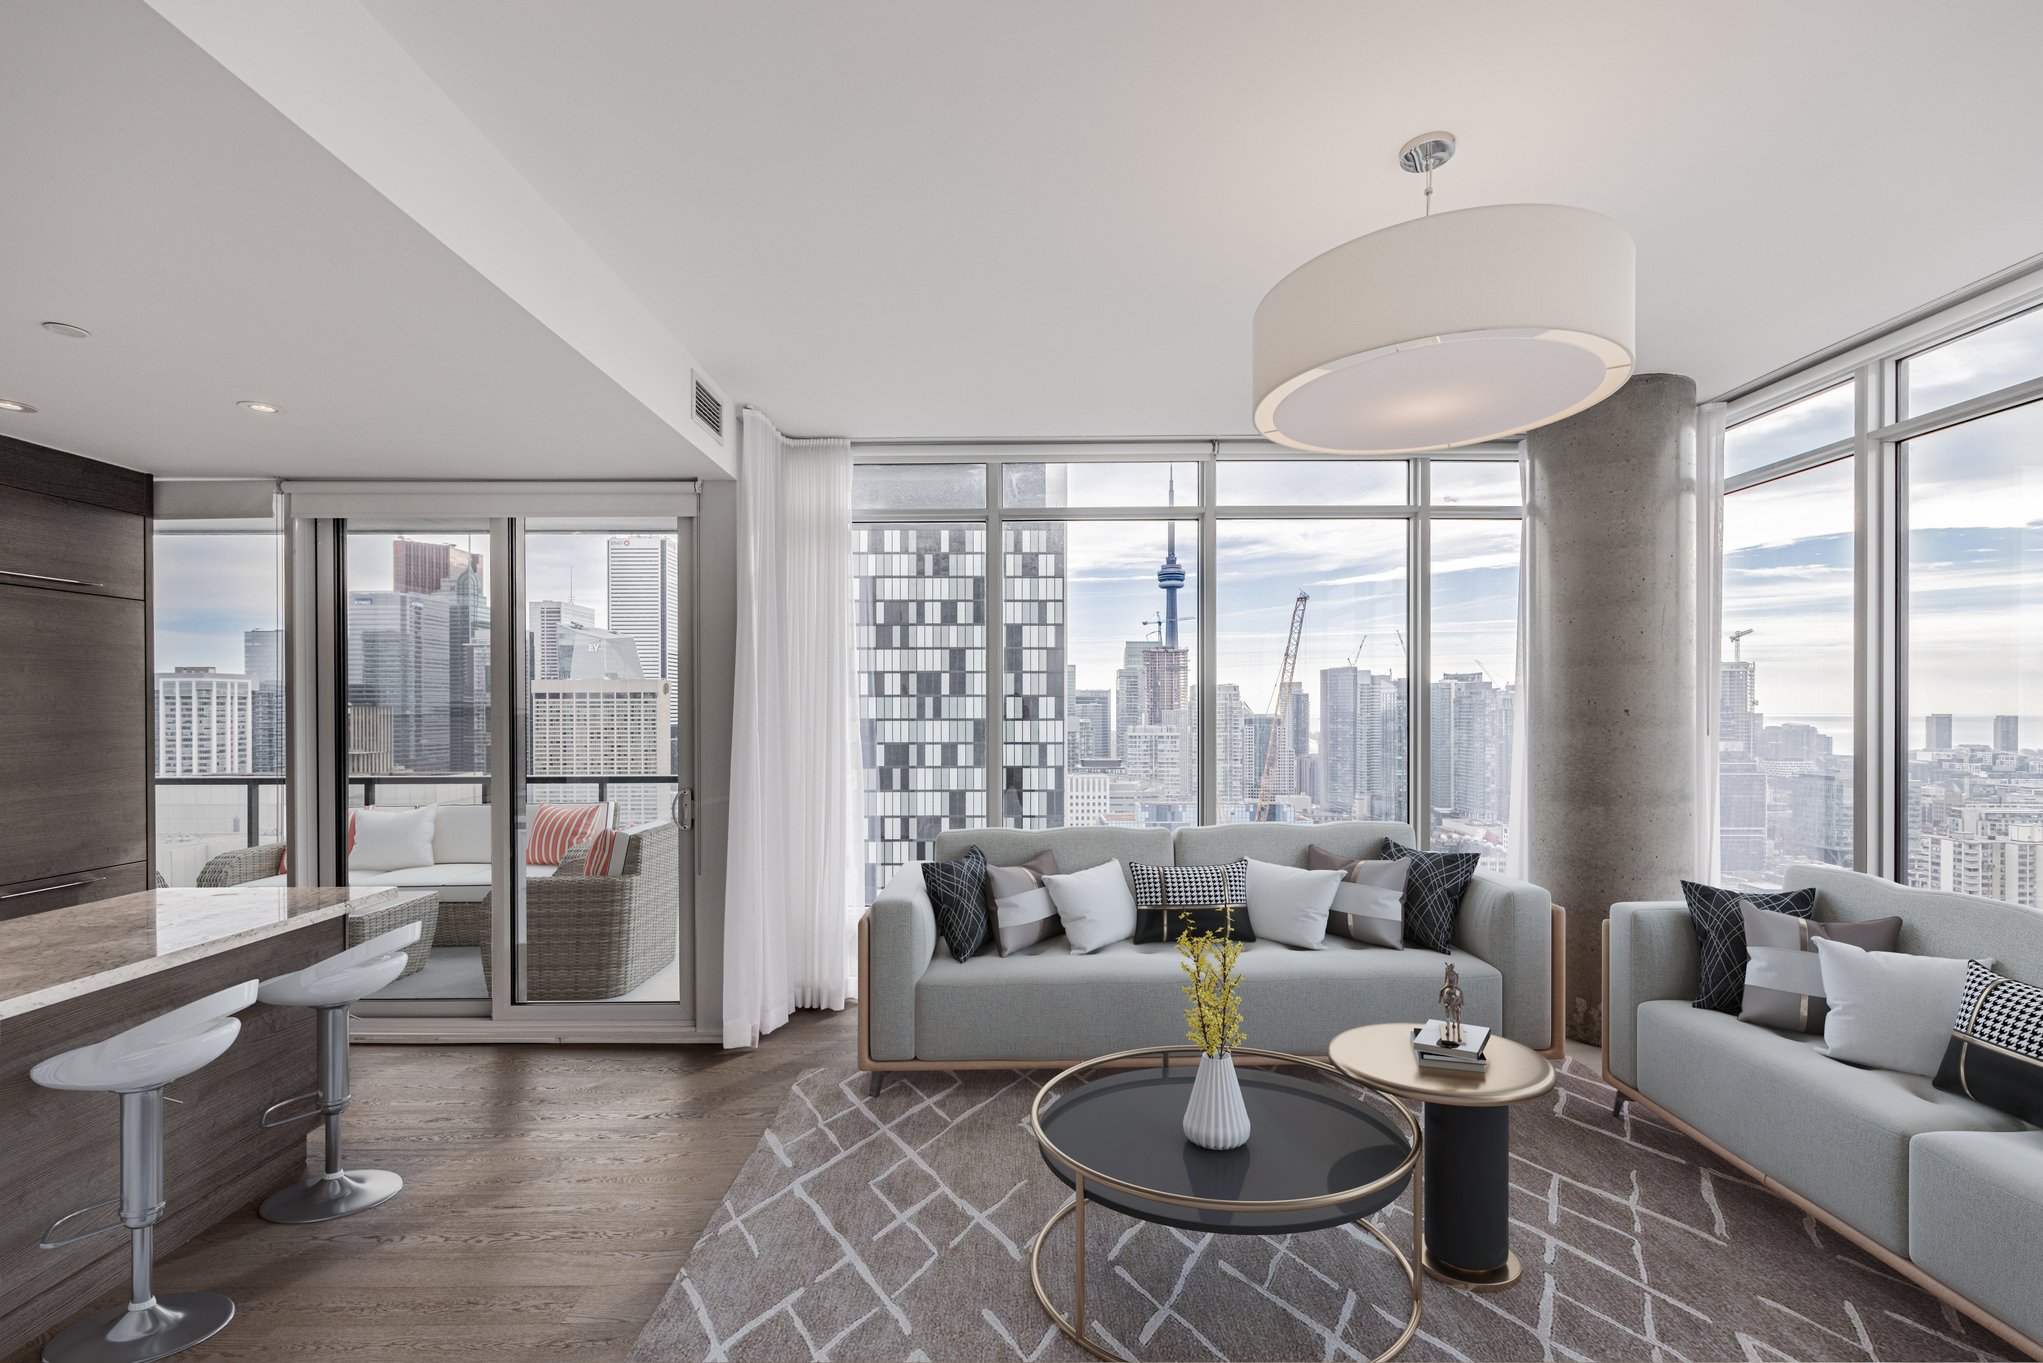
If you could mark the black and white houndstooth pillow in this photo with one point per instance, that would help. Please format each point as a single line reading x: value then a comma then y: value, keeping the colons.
x: 1720, y: 938
x: 1995, y: 1055
x: 1433, y: 891
x: 957, y: 892
x: 1170, y: 899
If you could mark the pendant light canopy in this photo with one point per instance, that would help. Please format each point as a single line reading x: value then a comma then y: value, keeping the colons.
x: 1448, y: 330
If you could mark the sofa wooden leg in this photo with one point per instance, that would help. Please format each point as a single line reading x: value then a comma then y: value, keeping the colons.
x: 879, y: 1081
x: 1617, y: 1108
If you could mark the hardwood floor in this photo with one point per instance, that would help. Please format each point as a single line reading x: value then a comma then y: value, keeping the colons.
x: 551, y: 1195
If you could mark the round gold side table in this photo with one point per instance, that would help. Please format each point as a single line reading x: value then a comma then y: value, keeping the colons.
x: 1320, y: 1157
x: 1468, y: 1144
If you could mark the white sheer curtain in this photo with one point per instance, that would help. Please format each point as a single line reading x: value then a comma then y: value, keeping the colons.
x: 785, y: 924
x: 1518, y: 829
x: 1709, y: 628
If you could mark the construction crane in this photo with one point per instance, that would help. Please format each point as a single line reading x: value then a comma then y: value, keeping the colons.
x: 1356, y: 656
x: 1280, y: 709
x: 1737, y: 650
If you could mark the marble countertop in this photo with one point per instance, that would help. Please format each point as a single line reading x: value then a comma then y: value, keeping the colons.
x: 46, y: 958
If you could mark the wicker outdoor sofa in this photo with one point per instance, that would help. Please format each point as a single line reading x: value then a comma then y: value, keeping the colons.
x: 587, y: 937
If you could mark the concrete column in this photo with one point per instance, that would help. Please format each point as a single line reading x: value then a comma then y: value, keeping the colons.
x: 1611, y: 549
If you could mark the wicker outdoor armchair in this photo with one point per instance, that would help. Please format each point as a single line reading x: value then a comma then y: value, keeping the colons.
x: 595, y: 937
x: 242, y: 865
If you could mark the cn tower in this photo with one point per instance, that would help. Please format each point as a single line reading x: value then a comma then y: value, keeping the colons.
x: 1171, y: 576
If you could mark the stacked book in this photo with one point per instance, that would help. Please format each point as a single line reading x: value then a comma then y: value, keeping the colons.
x: 1434, y: 1054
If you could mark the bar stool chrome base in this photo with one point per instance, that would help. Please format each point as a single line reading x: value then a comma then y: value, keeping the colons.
x: 168, y: 1324
x: 325, y: 1197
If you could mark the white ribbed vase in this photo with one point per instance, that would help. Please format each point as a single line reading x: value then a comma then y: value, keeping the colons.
x: 1216, y: 1117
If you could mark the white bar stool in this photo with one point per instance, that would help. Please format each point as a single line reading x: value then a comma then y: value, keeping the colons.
x: 329, y: 988
x: 137, y: 1064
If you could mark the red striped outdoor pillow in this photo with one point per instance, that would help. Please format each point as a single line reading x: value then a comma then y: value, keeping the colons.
x: 556, y: 828
x: 606, y: 853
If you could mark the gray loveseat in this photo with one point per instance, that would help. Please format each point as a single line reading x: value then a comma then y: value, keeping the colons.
x: 1944, y: 1190
x: 920, y: 1008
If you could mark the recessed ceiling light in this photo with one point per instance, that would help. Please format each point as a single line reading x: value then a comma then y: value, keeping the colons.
x: 11, y: 405
x: 66, y: 329
x: 266, y: 408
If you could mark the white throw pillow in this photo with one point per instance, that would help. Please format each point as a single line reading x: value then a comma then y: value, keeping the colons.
x: 1095, y: 906
x: 1889, y: 1010
x: 1290, y: 906
x: 392, y: 839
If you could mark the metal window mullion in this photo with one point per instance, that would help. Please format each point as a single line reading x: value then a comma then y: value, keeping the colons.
x: 1801, y: 463
x: 508, y: 762
x: 996, y: 645
x: 1419, y: 664
x: 1986, y: 404
x: 1209, y: 642
x: 1873, y: 660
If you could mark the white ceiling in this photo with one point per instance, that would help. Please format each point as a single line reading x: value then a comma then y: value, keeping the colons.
x: 218, y: 253
x: 932, y: 219
x: 916, y: 217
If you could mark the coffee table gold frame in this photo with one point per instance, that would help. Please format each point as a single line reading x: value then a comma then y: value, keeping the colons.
x: 1408, y: 1166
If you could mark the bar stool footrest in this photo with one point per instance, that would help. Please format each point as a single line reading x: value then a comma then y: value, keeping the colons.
x: 48, y: 1243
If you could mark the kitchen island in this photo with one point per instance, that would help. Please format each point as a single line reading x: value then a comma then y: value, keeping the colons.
x: 77, y: 975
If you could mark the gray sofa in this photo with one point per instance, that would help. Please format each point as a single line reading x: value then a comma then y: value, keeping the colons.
x: 920, y: 1008
x: 1943, y: 1189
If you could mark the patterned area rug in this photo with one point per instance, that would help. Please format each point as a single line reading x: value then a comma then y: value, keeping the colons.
x: 899, y: 1228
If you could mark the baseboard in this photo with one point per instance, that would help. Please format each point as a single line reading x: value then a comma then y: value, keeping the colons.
x: 428, y: 1031
x: 1907, y: 1268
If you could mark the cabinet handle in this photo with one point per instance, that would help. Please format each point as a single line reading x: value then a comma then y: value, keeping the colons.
x: 67, y: 885
x: 7, y: 572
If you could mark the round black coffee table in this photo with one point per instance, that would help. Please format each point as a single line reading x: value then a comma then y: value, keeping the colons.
x: 1318, y: 1156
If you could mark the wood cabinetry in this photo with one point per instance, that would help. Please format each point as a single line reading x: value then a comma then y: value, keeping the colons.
x: 74, y: 680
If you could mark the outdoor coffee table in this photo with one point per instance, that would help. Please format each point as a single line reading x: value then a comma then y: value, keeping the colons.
x: 1318, y: 1157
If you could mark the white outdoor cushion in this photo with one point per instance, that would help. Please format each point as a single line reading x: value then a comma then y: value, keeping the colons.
x: 392, y: 839
x: 1095, y: 906
x: 1290, y: 906
x: 426, y: 877
x: 461, y: 833
x: 1889, y: 1010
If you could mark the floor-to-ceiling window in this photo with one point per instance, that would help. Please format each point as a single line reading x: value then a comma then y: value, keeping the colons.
x: 1196, y: 635
x: 1882, y: 588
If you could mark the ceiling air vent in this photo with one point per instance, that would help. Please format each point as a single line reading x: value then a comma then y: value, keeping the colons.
x: 709, y: 409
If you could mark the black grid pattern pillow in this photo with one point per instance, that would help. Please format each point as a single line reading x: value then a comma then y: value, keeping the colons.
x: 1995, y: 1055
x: 1720, y: 936
x: 1433, y: 891
x: 957, y: 892
x: 1171, y: 899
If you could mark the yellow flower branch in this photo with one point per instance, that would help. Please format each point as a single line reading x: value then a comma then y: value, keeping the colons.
x: 1208, y: 960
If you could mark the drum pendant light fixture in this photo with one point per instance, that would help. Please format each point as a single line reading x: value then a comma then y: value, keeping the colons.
x: 1438, y: 332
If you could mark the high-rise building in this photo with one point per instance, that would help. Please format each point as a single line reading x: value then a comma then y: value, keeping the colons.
x: 398, y: 660
x: 423, y: 567
x: 1739, y: 720
x: 1085, y: 798
x: 1340, y: 739
x: 1471, y: 743
x: 1131, y: 698
x: 1092, y: 723
x: 204, y: 722
x: 545, y: 619
x: 1234, y: 736
x: 1741, y: 816
x: 584, y: 652
x: 642, y: 592
x: 608, y: 727
x: 1820, y: 818
x: 921, y: 676
x: 1937, y: 733
x: 1033, y: 675
x: 2007, y: 733
x: 262, y: 653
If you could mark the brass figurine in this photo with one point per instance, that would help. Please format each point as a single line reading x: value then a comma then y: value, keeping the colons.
x: 1451, y: 999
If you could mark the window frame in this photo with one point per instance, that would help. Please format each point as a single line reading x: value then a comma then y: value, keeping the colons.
x: 1417, y: 511
x: 1880, y: 524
